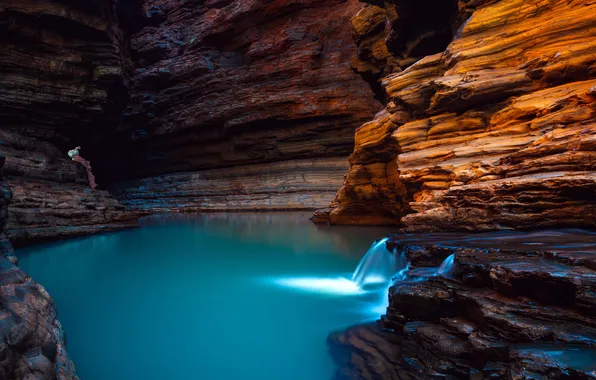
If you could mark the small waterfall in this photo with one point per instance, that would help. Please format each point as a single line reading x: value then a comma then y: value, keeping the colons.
x: 402, y: 274
x: 377, y: 271
x: 402, y: 267
x: 446, y: 267
x: 377, y: 265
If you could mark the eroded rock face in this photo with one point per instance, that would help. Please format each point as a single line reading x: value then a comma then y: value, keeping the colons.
x: 514, y: 307
x: 206, y: 104
x: 32, y: 344
x: 496, y: 132
x: 238, y: 105
x: 63, y: 80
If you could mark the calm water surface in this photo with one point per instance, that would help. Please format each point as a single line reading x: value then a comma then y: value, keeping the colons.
x: 218, y: 296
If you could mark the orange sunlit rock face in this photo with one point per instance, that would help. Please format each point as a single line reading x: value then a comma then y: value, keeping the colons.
x: 496, y: 132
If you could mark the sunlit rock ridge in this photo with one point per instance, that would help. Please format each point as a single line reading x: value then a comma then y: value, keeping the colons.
x: 497, y: 131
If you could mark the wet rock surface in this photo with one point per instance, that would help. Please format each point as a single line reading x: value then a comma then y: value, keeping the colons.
x: 493, y: 131
x: 508, y: 310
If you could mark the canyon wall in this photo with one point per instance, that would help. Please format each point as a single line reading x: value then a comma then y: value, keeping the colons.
x: 178, y: 105
x: 247, y: 105
x: 237, y: 105
x: 497, y: 131
x: 62, y: 81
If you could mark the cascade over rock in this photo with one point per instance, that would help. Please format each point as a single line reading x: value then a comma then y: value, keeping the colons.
x: 514, y: 306
x: 497, y: 131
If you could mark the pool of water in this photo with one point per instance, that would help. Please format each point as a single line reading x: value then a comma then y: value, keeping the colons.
x: 216, y: 296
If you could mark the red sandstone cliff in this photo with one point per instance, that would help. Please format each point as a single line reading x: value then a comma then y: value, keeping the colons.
x: 496, y: 132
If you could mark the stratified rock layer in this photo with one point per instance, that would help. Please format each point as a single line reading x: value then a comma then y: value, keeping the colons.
x: 285, y: 185
x: 496, y: 132
x: 238, y: 105
x: 210, y: 104
x: 32, y: 344
x: 515, y: 306
x: 62, y: 79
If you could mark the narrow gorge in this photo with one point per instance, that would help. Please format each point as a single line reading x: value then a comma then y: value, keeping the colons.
x: 461, y: 129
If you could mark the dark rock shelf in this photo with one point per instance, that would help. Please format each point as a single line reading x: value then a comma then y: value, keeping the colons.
x: 517, y: 306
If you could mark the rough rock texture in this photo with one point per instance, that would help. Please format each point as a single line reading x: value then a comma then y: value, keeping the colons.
x: 62, y: 80
x: 237, y: 105
x: 32, y: 343
x: 496, y: 132
x: 285, y: 185
x: 524, y: 310
x: 208, y: 104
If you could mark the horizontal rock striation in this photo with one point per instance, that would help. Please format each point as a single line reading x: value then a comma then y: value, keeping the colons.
x: 51, y: 195
x: 161, y: 93
x: 514, y: 307
x: 284, y: 185
x: 233, y: 92
x: 496, y: 132
x: 32, y: 343
x: 62, y: 80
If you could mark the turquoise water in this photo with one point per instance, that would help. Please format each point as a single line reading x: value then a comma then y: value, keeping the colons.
x: 250, y: 296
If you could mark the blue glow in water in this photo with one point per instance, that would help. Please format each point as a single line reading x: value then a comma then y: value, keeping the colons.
x: 340, y: 285
x: 377, y: 265
x: 446, y: 268
x: 214, y: 297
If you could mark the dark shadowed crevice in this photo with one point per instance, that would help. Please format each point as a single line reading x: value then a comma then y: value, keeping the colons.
x: 423, y: 27
x: 409, y: 31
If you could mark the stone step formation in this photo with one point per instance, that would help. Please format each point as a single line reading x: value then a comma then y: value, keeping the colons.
x: 512, y: 312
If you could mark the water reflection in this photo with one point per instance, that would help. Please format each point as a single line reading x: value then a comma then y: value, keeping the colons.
x: 279, y: 228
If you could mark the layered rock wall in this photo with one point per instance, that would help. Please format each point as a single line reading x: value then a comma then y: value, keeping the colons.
x: 238, y: 105
x: 502, y: 313
x: 206, y: 104
x: 63, y: 80
x: 496, y: 132
x: 512, y: 306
